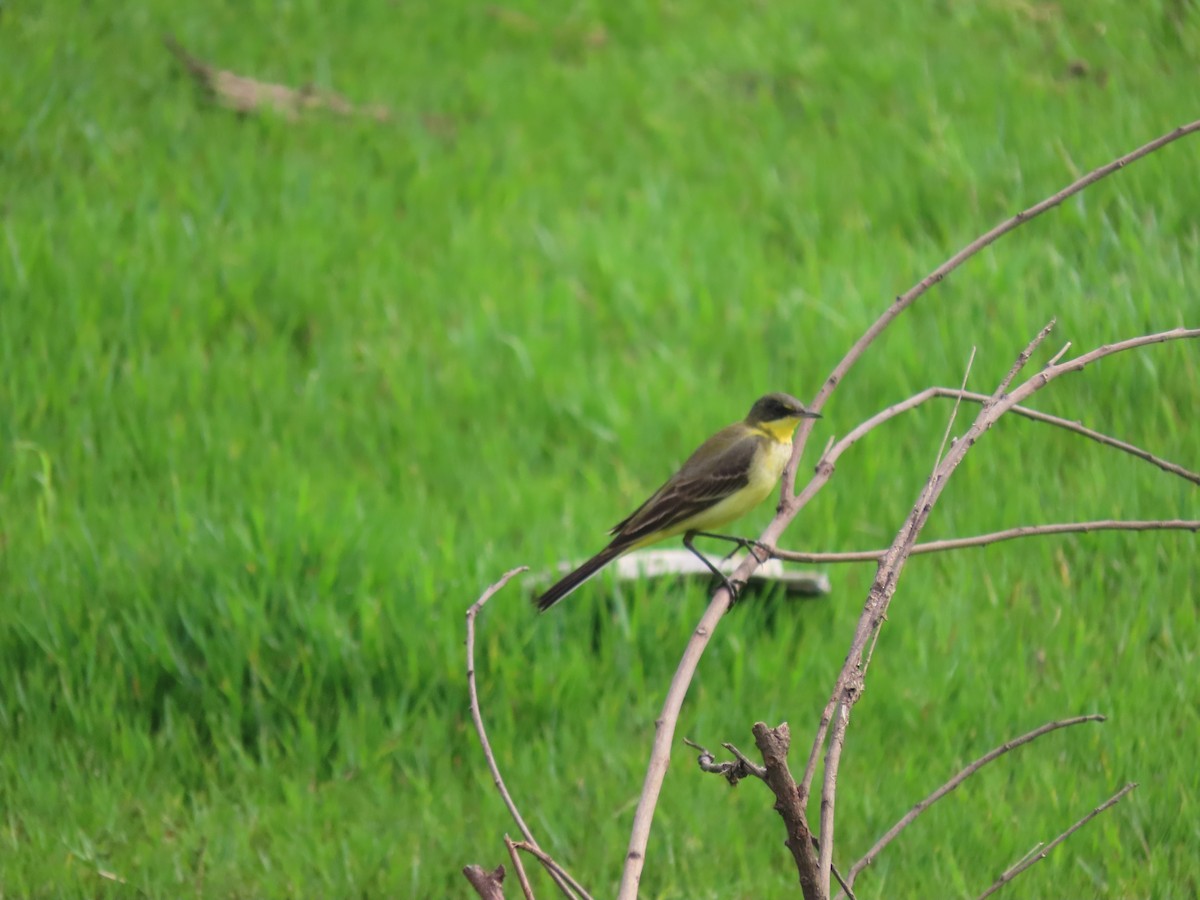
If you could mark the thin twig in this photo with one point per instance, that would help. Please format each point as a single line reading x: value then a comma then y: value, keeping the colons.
x: 733, y: 772
x: 831, y: 456
x: 967, y: 772
x: 664, y: 733
x: 552, y: 866
x: 826, y: 465
x: 850, y: 683
x: 846, y: 888
x: 833, y: 759
x: 561, y: 877
x: 1023, y: 358
x: 1080, y: 429
x: 751, y: 766
x: 1030, y: 858
x: 954, y: 412
x: 477, y: 714
x: 995, y: 537
x: 1060, y: 354
x: 526, y: 888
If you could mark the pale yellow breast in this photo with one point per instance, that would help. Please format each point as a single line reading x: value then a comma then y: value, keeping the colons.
x: 771, y: 458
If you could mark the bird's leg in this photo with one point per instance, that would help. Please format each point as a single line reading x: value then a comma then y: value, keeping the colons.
x: 730, y: 586
x: 741, y: 543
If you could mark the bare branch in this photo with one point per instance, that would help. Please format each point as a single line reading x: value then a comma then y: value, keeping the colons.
x: 487, y: 884
x: 664, y: 733
x: 476, y: 713
x: 790, y: 505
x: 561, y: 877
x: 1023, y: 411
x: 773, y: 743
x: 526, y: 888
x: 733, y: 772
x: 1030, y: 858
x: 850, y: 683
x: 995, y: 537
x: 825, y: 469
x: 911, y: 815
x: 914, y: 293
x: 954, y: 412
x: 833, y: 760
x: 1023, y: 358
x: 556, y: 871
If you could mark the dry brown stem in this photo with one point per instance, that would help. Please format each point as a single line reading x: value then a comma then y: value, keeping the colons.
x: 552, y: 866
x: 488, y: 885
x: 909, y: 817
x: 851, y: 682
x: 526, y: 888
x: 1042, y: 852
x: 773, y: 744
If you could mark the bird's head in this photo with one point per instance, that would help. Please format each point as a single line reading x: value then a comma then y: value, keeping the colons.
x: 779, y: 409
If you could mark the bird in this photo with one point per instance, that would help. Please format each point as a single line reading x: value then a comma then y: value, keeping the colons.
x: 728, y: 475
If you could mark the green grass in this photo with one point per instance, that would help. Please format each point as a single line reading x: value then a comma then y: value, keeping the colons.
x: 279, y: 399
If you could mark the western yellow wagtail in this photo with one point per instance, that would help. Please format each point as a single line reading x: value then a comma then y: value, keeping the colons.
x: 730, y: 474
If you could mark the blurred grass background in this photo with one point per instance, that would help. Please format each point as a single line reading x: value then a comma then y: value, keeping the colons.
x: 280, y: 398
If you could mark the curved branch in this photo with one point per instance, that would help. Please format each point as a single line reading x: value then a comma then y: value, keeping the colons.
x: 906, y: 299
x: 562, y: 878
x: 791, y: 504
x: 911, y: 815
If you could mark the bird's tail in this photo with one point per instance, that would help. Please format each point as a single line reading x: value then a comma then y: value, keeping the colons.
x: 578, y: 577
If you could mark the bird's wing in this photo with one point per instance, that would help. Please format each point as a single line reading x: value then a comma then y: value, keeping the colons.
x: 705, y: 480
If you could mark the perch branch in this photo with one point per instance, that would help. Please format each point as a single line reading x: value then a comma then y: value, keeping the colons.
x: 911, y: 815
x: 1032, y: 858
x: 790, y: 505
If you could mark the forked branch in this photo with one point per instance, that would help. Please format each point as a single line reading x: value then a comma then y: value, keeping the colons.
x: 851, y: 682
x: 791, y: 504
